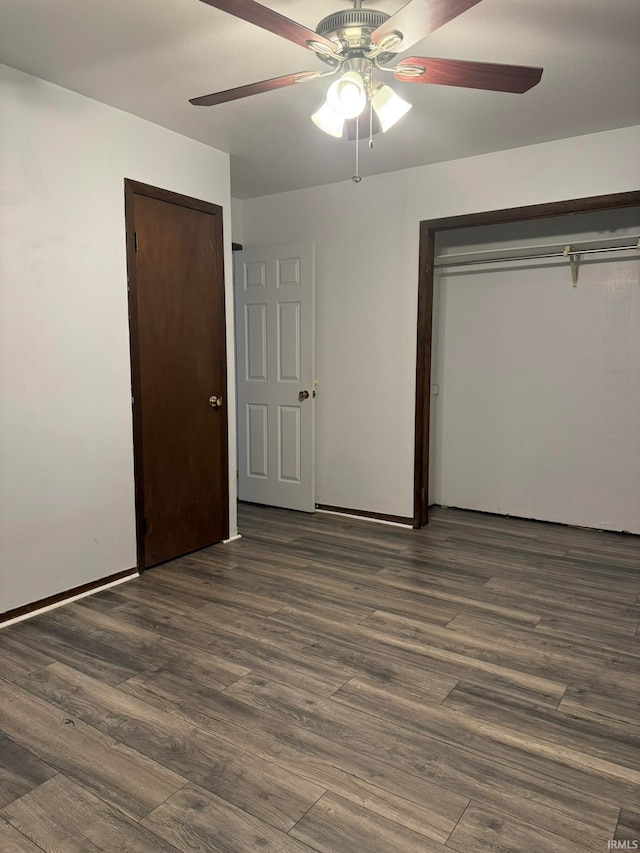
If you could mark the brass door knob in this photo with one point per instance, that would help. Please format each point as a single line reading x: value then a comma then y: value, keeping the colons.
x: 303, y: 395
x: 215, y: 402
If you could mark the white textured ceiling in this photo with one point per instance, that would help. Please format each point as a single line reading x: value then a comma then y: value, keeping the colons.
x: 149, y: 57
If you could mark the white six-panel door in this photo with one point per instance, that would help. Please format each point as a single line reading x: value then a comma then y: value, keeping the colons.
x: 274, y: 296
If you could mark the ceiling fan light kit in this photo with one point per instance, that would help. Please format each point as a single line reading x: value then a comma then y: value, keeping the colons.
x: 360, y: 42
x: 347, y: 96
x: 329, y: 121
x: 389, y: 106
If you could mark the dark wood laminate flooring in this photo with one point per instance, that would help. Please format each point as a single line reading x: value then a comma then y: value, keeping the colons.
x: 328, y: 684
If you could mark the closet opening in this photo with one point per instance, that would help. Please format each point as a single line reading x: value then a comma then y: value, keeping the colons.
x: 523, y: 342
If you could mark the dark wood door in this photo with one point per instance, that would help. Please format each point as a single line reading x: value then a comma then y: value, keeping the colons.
x: 176, y: 300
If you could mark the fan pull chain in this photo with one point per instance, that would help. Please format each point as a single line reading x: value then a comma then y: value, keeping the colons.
x: 357, y: 177
x: 370, y: 125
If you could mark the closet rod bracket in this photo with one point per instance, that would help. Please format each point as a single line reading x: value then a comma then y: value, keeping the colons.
x: 573, y: 260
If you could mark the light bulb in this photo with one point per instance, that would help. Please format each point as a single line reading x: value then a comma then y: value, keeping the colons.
x: 347, y: 96
x: 389, y: 107
x: 328, y: 120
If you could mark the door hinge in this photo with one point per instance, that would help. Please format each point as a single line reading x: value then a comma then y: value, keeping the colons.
x: 135, y: 241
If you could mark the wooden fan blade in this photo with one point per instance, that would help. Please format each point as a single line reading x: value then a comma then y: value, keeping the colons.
x: 253, y: 89
x: 473, y: 75
x: 419, y: 18
x: 261, y: 16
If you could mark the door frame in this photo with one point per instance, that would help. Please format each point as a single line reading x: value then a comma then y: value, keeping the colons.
x: 132, y: 188
x: 428, y: 231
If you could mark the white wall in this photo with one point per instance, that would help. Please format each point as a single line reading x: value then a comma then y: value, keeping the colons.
x: 66, y: 477
x: 237, y: 230
x: 538, y: 413
x: 367, y: 267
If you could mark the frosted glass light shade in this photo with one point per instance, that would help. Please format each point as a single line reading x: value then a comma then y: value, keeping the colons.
x: 328, y: 120
x: 389, y: 107
x: 347, y: 96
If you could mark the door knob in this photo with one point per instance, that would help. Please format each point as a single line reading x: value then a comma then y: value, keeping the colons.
x: 215, y: 402
x: 303, y: 395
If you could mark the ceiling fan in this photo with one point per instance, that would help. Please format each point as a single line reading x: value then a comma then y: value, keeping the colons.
x: 360, y: 42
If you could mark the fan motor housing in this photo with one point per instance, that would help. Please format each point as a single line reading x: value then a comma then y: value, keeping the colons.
x: 351, y: 30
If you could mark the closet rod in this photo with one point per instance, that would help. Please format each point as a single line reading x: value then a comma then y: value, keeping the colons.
x: 442, y: 262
